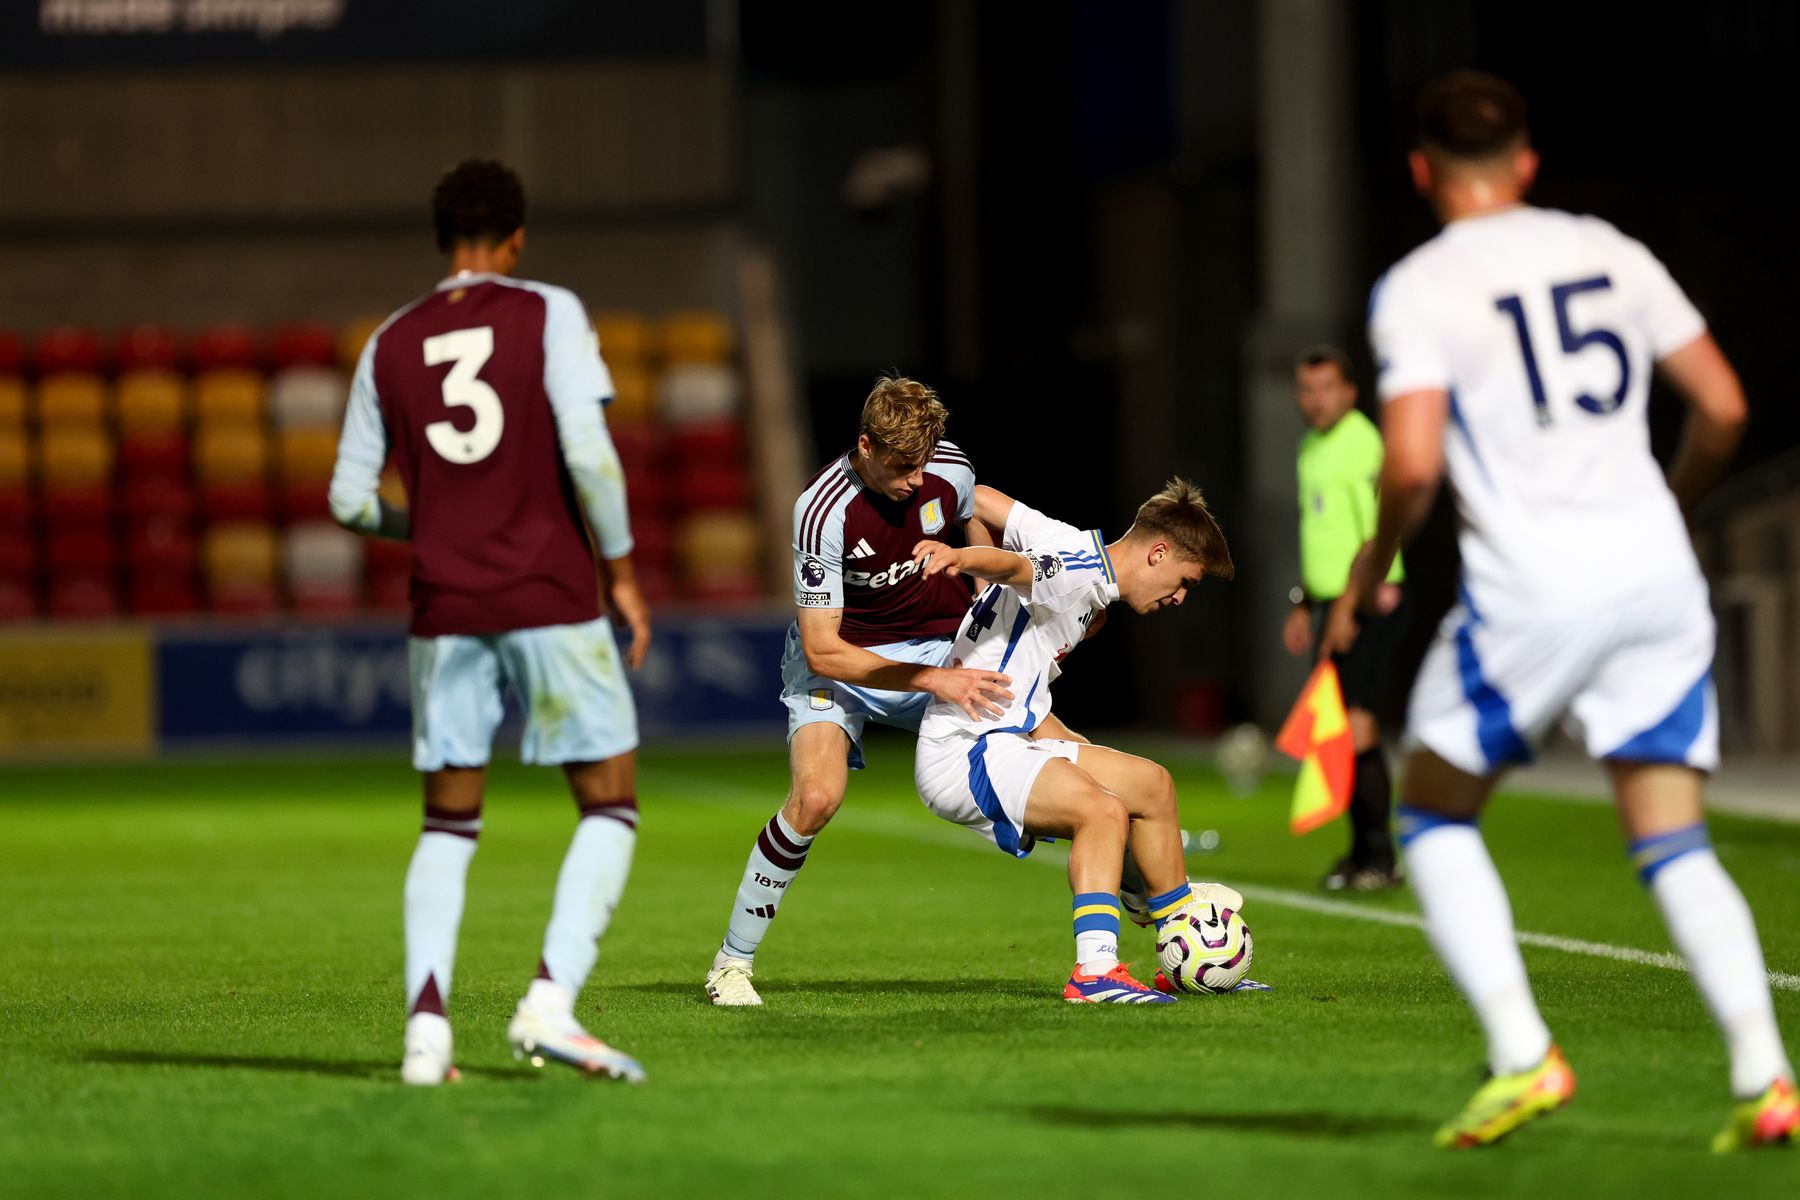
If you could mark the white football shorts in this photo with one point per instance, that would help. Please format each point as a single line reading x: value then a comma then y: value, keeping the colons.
x: 812, y: 699
x: 983, y: 783
x: 570, y: 678
x: 1630, y: 680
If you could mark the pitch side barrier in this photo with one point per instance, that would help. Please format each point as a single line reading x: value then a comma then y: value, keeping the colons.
x: 138, y: 690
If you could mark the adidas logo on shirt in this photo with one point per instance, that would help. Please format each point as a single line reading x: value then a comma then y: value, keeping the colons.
x: 862, y: 549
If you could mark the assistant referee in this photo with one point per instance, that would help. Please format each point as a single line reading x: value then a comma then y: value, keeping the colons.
x: 1339, y: 469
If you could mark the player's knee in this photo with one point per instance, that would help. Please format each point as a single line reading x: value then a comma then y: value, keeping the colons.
x: 812, y: 806
x: 1104, y: 813
x: 1161, y: 794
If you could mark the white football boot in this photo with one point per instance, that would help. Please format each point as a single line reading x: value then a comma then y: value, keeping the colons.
x: 544, y: 1027
x: 729, y: 986
x: 427, y: 1061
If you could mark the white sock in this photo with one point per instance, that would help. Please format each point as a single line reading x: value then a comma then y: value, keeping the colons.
x: 435, y: 883
x: 1469, y: 921
x: 587, y: 890
x: 1712, y: 927
x: 776, y: 858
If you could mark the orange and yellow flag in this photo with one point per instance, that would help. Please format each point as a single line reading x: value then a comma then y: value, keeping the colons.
x: 1317, y: 733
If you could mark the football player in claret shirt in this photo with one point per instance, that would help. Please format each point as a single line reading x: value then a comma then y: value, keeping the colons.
x: 871, y: 639
x: 1023, y: 777
x: 487, y: 392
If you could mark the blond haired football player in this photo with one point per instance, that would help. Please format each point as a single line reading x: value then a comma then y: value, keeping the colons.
x: 1047, y: 583
x: 1515, y: 350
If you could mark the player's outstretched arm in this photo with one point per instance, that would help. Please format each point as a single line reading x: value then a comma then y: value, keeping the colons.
x: 978, y: 693
x: 992, y: 508
x: 1412, y: 427
x: 1717, y: 413
x: 983, y: 562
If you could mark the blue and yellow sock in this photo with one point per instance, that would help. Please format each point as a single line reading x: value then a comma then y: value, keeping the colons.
x: 1650, y: 855
x: 1096, y: 931
x: 1169, y: 903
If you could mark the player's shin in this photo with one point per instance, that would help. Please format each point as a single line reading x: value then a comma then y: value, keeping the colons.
x: 436, y: 881
x: 776, y: 858
x: 587, y: 891
x: 1712, y: 927
x: 1469, y: 921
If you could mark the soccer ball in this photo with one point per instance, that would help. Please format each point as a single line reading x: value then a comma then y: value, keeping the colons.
x: 1205, y: 948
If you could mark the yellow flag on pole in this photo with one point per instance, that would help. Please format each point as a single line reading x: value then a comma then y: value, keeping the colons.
x: 1317, y: 733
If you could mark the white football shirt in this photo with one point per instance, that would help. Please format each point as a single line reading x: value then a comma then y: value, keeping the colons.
x: 1544, y: 328
x: 1025, y: 632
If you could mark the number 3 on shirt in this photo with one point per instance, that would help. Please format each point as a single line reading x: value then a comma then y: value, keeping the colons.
x: 468, y: 350
x: 1572, y: 342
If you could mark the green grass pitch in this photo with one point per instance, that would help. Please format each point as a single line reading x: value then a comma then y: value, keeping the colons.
x: 200, y: 994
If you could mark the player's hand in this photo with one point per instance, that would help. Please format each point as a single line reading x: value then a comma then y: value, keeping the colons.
x: 1340, y: 627
x: 1387, y: 598
x: 624, y: 598
x: 935, y: 558
x: 1296, y: 631
x: 980, y: 694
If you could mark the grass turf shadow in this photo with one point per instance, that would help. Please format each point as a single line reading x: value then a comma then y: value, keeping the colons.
x: 854, y: 987
x: 1290, y: 1124
x: 339, y: 1068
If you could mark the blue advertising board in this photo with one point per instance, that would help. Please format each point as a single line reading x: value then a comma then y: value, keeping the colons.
x: 706, y: 674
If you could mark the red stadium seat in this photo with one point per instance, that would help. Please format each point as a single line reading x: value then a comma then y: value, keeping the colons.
x: 83, y: 597
x: 161, y: 545
x: 71, y: 508
x: 708, y: 445
x: 224, y: 346
x: 705, y: 490
x: 238, y: 500
x: 86, y: 552
x: 146, y: 346
x: 15, y: 507
x: 158, y: 496
x: 143, y: 455
x: 12, y: 353
x: 163, y: 595
x: 657, y: 584
x: 18, y: 557
x: 67, y: 348
x: 16, y: 601
x: 303, y: 344
x: 653, y: 541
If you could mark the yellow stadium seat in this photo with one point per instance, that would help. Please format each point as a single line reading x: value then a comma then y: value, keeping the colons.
x: 230, y: 453
x: 353, y: 338
x: 634, y: 397
x: 717, y: 541
x: 12, y: 402
x: 308, y: 454
x: 239, y: 552
x: 697, y: 336
x: 15, y: 458
x: 151, y: 401
x: 625, y: 338
x: 74, y: 456
x: 229, y: 395
x: 71, y: 399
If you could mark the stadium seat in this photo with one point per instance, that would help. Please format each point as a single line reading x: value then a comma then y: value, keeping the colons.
x: 231, y: 465
x: 15, y: 458
x: 307, y: 459
x: 231, y: 395
x: 75, y: 466
x: 634, y: 397
x: 351, y: 340
x: 303, y: 344
x: 323, y: 565
x: 696, y: 337
x: 625, y: 338
x: 83, y: 598
x: 224, y: 347
x: 163, y: 595
x: 704, y: 490
x: 708, y: 445
x: 146, y: 347
x: 85, y: 552
x: 16, y: 601
x: 158, y: 496
x: 70, y: 398
x: 12, y: 353
x: 653, y: 540
x: 718, y: 554
x: 307, y: 397
x: 18, y: 557
x: 151, y: 398
x: 15, y: 507
x: 238, y: 559
x: 12, y: 401
x: 145, y: 454
x: 160, y: 545
x: 697, y: 392
x: 67, y: 348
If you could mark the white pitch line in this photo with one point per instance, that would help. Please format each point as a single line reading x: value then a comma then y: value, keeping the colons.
x: 942, y: 835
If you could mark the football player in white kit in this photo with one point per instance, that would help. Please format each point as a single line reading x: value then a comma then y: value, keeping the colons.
x: 1514, y: 352
x: 1047, y: 583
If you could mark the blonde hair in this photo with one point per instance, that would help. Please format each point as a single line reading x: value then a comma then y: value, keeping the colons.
x: 904, y: 417
x: 1178, y: 515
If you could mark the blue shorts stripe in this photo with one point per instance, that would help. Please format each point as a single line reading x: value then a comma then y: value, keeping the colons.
x: 1412, y: 822
x: 1670, y: 739
x: 1006, y: 834
x: 1500, y: 742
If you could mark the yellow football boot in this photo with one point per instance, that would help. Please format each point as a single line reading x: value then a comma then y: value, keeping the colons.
x: 1506, y: 1102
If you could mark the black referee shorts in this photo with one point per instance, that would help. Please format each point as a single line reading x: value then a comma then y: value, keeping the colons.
x: 1363, y: 673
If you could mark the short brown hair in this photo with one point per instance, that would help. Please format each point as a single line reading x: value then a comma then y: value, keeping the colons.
x: 1471, y: 115
x: 1178, y: 514
x: 480, y: 201
x: 904, y: 417
x: 1318, y: 356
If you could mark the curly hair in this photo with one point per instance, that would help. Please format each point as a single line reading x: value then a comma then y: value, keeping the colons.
x: 480, y: 200
x: 904, y: 417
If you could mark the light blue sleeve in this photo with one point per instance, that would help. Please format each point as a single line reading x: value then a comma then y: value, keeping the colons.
x: 362, y: 450
x: 578, y: 384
